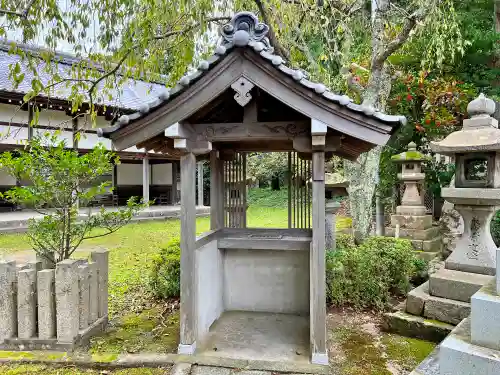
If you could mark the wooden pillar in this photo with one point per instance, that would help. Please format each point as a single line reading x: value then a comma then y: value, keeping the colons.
x: 216, y: 192
x: 188, y: 261
x: 146, y: 169
x: 317, y: 262
x: 30, y: 120
x: 174, y: 183
x: 74, y: 122
x: 200, y: 183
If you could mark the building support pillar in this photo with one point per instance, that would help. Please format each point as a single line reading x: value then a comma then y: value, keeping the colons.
x: 216, y: 192
x: 200, y: 183
x: 146, y: 171
x: 319, y: 354
x: 188, y: 260
x: 174, y: 198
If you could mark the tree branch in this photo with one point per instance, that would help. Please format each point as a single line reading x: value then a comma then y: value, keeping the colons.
x: 272, y: 36
x: 401, y: 38
x: 23, y: 14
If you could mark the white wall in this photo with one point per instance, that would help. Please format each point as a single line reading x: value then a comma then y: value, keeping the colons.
x: 161, y: 174
x: 129, y: 174
x: 12, y: 134
x: 209, y: 279
x: 6, y: 179
x: 275, y: 281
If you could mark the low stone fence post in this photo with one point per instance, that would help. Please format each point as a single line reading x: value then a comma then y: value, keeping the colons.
x: 331, y: 208
x: 53, y: 309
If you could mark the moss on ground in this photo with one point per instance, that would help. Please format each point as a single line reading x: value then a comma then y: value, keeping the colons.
x: 70, y: 370
x: 365, y: 354
x: 16, y: 355
x: 406, y: 352
x: 133, y: 333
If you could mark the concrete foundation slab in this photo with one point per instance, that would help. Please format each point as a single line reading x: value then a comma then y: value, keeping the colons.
x: 458, y: 356
x: 456, y: 285
x: 258, y: 336
x: 485, y: 318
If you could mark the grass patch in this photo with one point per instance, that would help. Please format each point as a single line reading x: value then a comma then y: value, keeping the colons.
x: 268, y: 198
x: 46, y: 370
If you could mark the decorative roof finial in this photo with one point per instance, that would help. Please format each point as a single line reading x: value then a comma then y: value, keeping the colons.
x: 245, y: 28
x: 412, y: 146
x: 481, y: 107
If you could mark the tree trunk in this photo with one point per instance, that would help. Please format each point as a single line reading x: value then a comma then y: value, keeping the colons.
x: 362, y: 175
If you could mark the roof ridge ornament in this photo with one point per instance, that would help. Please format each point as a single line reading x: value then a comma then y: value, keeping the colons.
x: 243, y: 29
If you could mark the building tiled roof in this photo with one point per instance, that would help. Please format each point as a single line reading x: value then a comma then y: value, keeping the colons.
x: 132, y: 95
x: 245, y: 31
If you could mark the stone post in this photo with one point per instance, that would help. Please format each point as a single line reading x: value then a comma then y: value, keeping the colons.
x: 26, y: 304
x: 8, y: 305
x: 46, y: 304
x: 67, y: 300
x: 331, y: 208
x: 100, y: 257
x: 84, y: 300
x: 93, y: 293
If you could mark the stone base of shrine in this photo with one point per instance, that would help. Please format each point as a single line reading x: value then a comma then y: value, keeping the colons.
x: 444, y: 300
x: 256, y: 336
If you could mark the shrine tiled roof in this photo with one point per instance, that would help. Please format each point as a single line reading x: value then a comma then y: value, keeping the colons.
x: 129, y: 96
x: 245, y: 31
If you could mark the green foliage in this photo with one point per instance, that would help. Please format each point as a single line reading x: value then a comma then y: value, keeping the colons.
x: 495, y: 228
x: 367, y: 275
x: 265, y: 197
x: 267, y: 166
x: 165, y: 276
x: 57, y: 176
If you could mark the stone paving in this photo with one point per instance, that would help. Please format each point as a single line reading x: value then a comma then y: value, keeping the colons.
x: 186, y: 369
x: 18, y: 221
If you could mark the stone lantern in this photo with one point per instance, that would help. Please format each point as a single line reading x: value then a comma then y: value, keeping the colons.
x: 411, y: 175
x: 410, y: 220
x: 476, y: 194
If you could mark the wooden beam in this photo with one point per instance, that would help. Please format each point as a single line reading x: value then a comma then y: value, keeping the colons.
x: 179, y: 130
x: 226, y: 132
x: 195, y: 147
x: 305, y: 144
x: 188, y: 314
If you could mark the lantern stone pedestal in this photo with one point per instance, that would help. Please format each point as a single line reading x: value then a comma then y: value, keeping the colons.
x: 410, y: 220
x: 446, y: 297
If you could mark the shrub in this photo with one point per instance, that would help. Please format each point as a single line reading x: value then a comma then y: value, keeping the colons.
x: 369, y: 274
x: 495, y: 228
x: 165, y: 276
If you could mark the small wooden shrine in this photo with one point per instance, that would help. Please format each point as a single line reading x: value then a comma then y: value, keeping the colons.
x: 253, y: 293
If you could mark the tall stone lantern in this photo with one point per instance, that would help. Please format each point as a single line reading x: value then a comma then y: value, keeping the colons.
x: 476, y: 194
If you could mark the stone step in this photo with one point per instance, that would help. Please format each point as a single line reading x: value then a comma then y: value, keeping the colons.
x: 427, y: 256
x: 414, y: 234
x: 432, y: 245
x: 446, y: 310
x: 456, y: 285
x: 409, y: 325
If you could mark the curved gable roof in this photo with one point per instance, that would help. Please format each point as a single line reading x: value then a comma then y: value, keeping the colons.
x: 245, y: 51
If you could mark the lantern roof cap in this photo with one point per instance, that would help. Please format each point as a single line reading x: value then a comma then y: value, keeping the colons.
x: 479, y: 133
x: 410, y: 155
